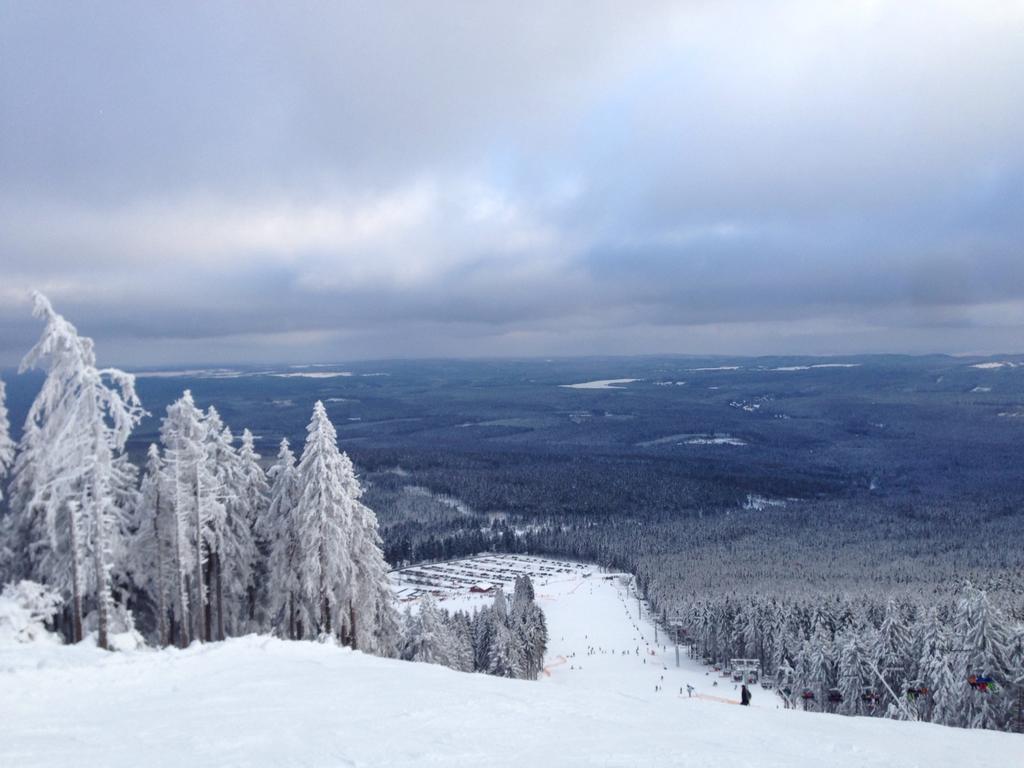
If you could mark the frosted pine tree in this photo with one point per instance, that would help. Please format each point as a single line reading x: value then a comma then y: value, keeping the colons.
x: 427, y: 637
x: 23, y: 529
x: 823, y: 665
x: 6, y: 443
x: 855, y: 676
x: 7, y: 529
x: 183, y: 434
x: 945, y: 701
x: 373, y: 618
x: 84, y: 416
x: 152, y: 551
x: 483, y: 636
x: 253, y: 496
x: 462, y: 642
x: 278, y: 527
x: 892, y: 654
x: 504, y: 658
x: 323, y: 525
x: 985, y: 639
x: 232, y: 547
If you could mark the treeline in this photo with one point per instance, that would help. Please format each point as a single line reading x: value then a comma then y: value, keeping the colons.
x: 956, y: 662
x: 501, y: 639
x: 206, y: 544
x: 822, y: 593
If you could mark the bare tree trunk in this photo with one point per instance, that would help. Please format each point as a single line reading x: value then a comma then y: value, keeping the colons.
x: 76, y: 578
x: 208, y: 608
x: 102, y: 585
x: 352, y: 624
x: 220, y: 595
x: 181, y: 587
x: 291, y: 616
x: 160, y: 599
x: 201, y: 601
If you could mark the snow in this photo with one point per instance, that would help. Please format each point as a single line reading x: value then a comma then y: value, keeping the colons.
x: 994, y: 366
x: 600, y: 384
x: 818, y: 365
x: 694, y: 439
x: 312, y: 374
x: 24, y: 607
x: 196, y: 373
x: 256, y: 701
x: 718, y: 368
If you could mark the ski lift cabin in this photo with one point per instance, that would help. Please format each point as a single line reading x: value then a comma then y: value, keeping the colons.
x: 745, y: 670
x: 869, y: 696
x: 982, y: 683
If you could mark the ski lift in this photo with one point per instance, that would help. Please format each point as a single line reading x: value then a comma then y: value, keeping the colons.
x: 916, y: 689
x: 787, y: 691
x: 982, y: 684
x: 835, y: 696
x: 869, y: 695
x: 726, y: 673
x: 807, y: 695
x: 737, y: 676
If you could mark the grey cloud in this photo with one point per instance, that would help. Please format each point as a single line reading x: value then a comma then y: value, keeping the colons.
x: 226, y: 181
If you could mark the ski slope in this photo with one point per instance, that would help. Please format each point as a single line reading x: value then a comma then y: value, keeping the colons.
x: 600, y: 636
x: 257, y: 701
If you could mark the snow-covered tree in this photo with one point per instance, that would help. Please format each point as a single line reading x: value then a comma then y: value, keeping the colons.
x: 323, y: 522
x: 25, y: 609
x: 82, y: 418
x: 252, y: 497
x: 504, y: 657
x: 279, y: 528
x: 857, y: 682
x: 427, y: 637
x: 229, y: 532
x: 985, y: 639
x: 892, y: 652
x: 6, y: 443
x: 152, y: 551
x: 374, y: 625
x: 24, y: 538
x: 183, y: 434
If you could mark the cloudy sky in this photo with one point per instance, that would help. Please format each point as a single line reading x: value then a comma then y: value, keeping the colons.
x: 230, y: 182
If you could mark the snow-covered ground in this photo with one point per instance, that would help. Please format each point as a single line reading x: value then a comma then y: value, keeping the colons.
x: 256, y: 701
x: 694, y: 439
x: 994, y: 366
x: 818, y: 365
x: 600, y: 384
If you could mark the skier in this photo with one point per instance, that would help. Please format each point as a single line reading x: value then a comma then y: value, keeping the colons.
x: 689, y: 691
x: 745, y: 696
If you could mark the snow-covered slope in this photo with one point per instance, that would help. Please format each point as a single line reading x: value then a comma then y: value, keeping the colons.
x: 260, y: 702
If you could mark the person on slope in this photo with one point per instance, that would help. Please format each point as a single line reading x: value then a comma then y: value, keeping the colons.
x: 689, y: 690
x: 745, y: 696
